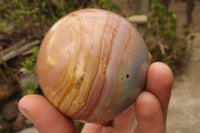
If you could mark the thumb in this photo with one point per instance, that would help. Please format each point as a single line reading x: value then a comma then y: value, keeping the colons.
x: 44, y: 116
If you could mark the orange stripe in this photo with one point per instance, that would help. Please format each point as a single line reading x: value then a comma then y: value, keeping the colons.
x: 65, y: 77
x: 71, y: 86
x: 107, y: 62
x: 98, y: 71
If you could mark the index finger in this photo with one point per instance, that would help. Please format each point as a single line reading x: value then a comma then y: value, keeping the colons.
x: 159, y: 83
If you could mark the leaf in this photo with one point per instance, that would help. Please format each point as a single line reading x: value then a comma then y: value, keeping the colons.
x: 169, y: 34
x: 186, y: 33
x: 31, y: 86
x: 9, y: 71
x: 179, y: 48
x: 37, y: 24
x: 192, y: 37
x: 171, y: 45
x: 4, y: 23
x: 186, y: 26
x: 29, y: 122
x: 28, y: 65
x: 154, y: 33
x: 25, y: 93
x: 35, y: 51
x: 23, y: 70
x: 173, y: 26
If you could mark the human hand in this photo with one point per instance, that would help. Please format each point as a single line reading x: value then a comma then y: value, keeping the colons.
x: 150, y: 109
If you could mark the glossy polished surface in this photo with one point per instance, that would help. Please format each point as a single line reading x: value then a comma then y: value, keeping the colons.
x: 92, y: 65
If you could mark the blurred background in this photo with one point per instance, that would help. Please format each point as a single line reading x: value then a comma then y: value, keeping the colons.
x: 170, y: 28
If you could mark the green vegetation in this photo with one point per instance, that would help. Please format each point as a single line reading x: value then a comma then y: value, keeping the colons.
x: 28, y: 122
x: 10, y: 71
x: 108, y: 5
x: 79, y: 125
x: 23, y: 16
x: 1, y: 127
x: 162, y: 37
x: 4, y: 27
x: 28, y: 66
x: 31, y: 18
x: 187, y: 35
x: 31, y: 88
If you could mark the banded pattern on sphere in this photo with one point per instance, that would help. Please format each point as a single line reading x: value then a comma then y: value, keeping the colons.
x: 92, y: 62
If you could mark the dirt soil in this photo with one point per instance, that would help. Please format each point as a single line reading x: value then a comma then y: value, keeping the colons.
x: 184, y: 116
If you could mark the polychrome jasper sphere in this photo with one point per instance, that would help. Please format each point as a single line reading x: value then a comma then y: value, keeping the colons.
x: 92, y: 65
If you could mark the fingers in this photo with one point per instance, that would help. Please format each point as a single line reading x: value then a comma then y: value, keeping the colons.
x: 149, y: 114
x: 124, y: 123
x: 151, y: 106
x: 126, y: 120
x: 44, y: 116
x: 159, y: 83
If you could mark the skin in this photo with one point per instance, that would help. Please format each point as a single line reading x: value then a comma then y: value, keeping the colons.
x: 150, y: 109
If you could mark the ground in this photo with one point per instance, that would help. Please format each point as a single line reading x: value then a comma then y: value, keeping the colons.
x: 183, y: 116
